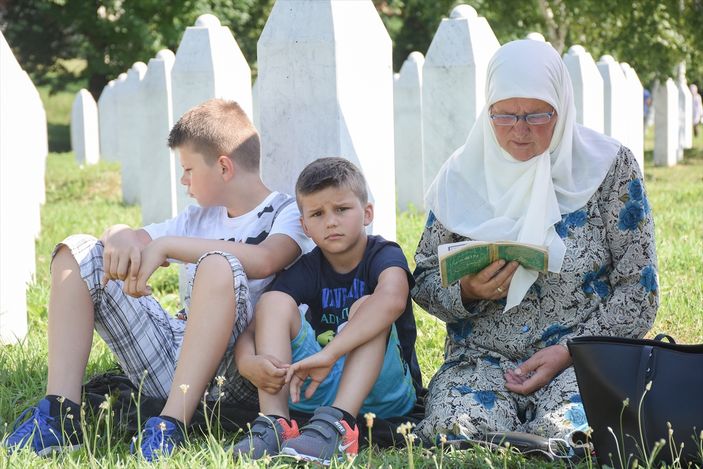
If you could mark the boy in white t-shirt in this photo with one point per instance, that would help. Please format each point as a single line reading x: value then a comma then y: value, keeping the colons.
x: 233, y: 243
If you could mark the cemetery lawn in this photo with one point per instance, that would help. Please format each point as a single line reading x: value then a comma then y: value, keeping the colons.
x: 88, y: 199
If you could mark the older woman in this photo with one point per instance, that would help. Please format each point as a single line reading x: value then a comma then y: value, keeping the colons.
x: 529, y: 173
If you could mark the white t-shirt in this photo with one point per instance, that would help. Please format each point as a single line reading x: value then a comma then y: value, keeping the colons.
x: 251, y: 228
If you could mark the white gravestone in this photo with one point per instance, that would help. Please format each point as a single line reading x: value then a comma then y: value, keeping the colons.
x: 635, y: 112
x: 407, y: 106
x: 158, y: 193
x: 666, y: 123
x: 616, y: 99
x: 588, y: 87
x: 685, y: 112
x: 255, y: 103
x: 84, y: 128
x: 453, y: 85
x: 22, y: 161
x: 132, y: 121
x: 107, y: 122
x: 37, y: 148
x: 120, y: 112
x: 209, y: 64
x: 535, y: 36
x: 325, y: 88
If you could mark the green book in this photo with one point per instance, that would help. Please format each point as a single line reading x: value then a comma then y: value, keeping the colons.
x: 470, y: 257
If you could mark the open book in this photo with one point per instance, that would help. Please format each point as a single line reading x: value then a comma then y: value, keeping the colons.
x: 471, y: 257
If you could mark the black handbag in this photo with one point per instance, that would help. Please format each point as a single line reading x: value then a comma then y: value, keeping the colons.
x: 632, y: 389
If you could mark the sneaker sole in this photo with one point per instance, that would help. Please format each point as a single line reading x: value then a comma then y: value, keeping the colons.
x: 59, y: 449
x: 307, y: 458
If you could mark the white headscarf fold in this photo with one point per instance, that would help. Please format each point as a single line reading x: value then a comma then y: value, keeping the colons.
x: 482, y: 192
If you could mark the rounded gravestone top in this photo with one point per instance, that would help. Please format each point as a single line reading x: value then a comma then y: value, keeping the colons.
x: 463, y: 11
x: 535, y: 36
x: 577, y: 50
x: 166, y: 55
x: 207, y: 20
x: 122, y: 77
x: 607, y: 59
x: 416, y: 57
x: 139, y: 67
x: 110, y: 84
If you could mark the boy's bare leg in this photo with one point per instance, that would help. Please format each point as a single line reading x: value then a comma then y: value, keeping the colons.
x: 361, y: 370
x: 277, y: 323
x: 71, y: 321
x: 209, y: 328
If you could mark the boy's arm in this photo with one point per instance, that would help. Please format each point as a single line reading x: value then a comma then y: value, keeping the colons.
x: 265, y: 372
x: 375, y: 315
x: 259, y: 261
x: 123, y: 246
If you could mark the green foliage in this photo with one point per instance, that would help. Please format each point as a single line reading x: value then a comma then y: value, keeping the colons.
x: 110, y: 35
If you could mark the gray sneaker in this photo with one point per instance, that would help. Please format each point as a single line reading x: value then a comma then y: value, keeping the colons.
x: 326, y: 437
x: 266, y: 437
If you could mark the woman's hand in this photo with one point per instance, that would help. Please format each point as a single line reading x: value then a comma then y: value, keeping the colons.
x: 490, y: 284
x: 538, y: 370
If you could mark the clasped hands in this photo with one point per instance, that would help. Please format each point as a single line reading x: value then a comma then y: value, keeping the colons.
x: 270, y: 374
x: 133, y: 265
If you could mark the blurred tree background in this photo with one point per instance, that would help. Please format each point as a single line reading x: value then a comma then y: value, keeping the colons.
x: 110, y: 35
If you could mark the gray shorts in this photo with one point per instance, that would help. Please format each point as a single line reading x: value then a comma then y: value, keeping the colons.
x: 145, y: 338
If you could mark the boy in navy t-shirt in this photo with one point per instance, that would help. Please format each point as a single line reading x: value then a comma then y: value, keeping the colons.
x: 352, y: 348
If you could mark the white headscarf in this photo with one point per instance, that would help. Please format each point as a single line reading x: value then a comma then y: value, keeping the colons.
x: 482, y: 192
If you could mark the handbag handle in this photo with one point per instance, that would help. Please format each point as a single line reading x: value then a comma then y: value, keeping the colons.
x: 661, y: 336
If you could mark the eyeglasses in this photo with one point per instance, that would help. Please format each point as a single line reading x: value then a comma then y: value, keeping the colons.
x: 538, y: 118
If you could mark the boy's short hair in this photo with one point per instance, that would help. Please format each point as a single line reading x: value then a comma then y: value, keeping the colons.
x: 219, y: 127
x: 331, y: 172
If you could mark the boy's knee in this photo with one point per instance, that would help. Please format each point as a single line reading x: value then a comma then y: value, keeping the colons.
x: 355, y: 306
x: 215, y: 269
x: 278, y: 309
x: 63, y: 259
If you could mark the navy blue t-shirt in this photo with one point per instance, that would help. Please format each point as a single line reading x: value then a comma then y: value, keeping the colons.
x: 329, y: 294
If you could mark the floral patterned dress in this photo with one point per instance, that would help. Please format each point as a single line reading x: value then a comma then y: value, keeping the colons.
x: 607, y: 286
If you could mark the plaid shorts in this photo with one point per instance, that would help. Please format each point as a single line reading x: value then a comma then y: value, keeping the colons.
x: 145, y: 338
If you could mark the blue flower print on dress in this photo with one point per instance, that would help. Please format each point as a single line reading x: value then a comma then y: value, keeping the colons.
x: 575, y: 399
x: 576, y: 415
x: 596, y: 282
x: 430, y: 219
x: 577, y: 218
x: 463, y: 389
x: 631, y: 215
x: 601, y: 288
x: 648, y: 278
x: 636, y: 190
x: 492, y: 361
x: 487, y: 399
x: 561, y: 229
x: 553, y: 334
x: 460, y: 330
x: 569, y: 221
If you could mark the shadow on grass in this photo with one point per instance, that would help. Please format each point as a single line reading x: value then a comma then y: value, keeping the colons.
x: 59, y: 137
